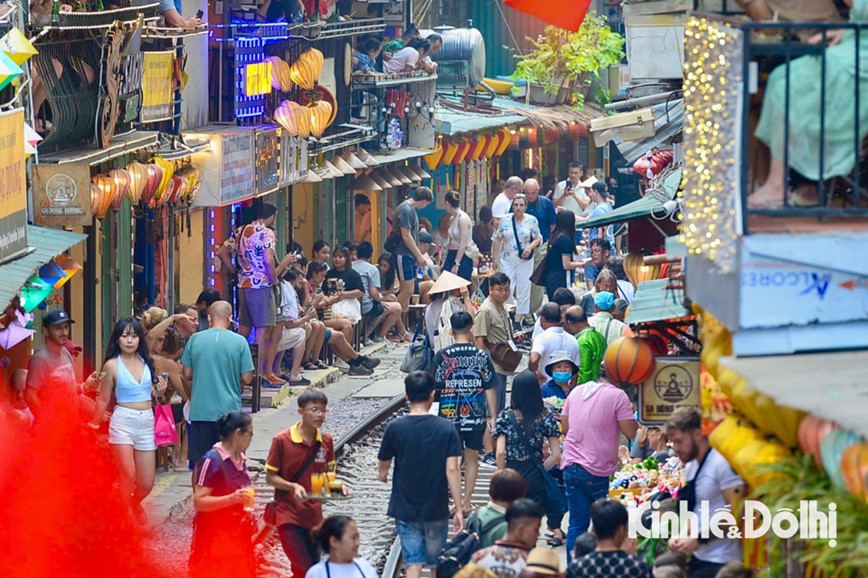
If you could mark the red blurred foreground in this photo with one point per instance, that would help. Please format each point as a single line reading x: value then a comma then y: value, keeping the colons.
x: 61, y: 515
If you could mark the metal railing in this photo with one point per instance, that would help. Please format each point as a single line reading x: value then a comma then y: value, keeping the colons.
x: 837, y: 195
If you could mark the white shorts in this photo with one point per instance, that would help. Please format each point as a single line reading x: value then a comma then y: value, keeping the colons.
x: 291, y: 338
x: 132, y: 427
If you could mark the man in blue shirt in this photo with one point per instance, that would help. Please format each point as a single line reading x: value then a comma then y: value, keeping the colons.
x: 544, y: 210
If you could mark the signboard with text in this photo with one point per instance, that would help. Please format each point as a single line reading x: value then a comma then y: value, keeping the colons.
x: 228, y: 168
x: 61, y: 195
x: 13, y: 186
x: 673, y: 384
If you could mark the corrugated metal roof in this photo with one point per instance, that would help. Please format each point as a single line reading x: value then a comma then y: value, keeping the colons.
x: 46, y: 244
x: 840, y: 399
x: 654, y: 301
x: 450, y: 122
x: 637, y: 209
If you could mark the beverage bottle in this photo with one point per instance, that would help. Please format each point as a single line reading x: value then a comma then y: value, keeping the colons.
x: 55, y: 13
x: 420, y: 273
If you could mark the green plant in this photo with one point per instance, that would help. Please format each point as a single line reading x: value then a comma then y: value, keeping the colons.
x: 561, y: 58
x: 797, y: 478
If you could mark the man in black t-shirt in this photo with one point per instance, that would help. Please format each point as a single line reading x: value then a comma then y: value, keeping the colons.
x: 426, y: 450
x: 465, y: 381
x: 612, y: 558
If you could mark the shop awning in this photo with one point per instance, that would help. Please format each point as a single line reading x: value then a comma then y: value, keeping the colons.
x: 656, y: 301
x: 640, y: 208
x: 44, y: 245
x: 452, y: 121
x: 829, y: 385
x: 402, y: 154
x: 559, y: 117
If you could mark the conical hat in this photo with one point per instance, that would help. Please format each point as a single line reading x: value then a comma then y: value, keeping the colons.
x: 446, y: 282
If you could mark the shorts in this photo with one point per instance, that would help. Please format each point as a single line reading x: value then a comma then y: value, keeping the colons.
x: 422, y: 542
x: 328, y: 336
x: 201, y: 437
x: 132, y: 427
x: 472, y: 440
x: 406, y: 267
x: 258, y: 307
x: 465, y: 268
x: 291, y: 338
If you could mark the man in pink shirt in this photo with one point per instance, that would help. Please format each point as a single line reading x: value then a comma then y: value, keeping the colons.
x: 592, y: 418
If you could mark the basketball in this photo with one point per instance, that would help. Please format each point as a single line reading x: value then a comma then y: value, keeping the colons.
x: 629, y: 360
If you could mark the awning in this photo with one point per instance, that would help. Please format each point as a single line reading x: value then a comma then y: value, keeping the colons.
x: 402, y: 154
x: 640, y: 208
x: 829, y: 385
x: 45, y: 245
x: 654, y: 301
x: 559, y: 117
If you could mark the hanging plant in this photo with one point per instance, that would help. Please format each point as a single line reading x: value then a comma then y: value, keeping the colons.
x: 565, y: 64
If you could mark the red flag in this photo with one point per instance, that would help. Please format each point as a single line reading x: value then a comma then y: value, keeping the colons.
x: 564, y: 14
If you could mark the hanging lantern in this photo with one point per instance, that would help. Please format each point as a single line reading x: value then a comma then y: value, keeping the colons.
x: 320, y: 113
x: 637, y: 271
x: 449, y: 153
x: 284, y: 116
x: 493, y: 144
x: 155, y: 175
x: 94, y: 199
x: 316, y: 58
x: 106, y: 190
x: 506, y: 141
x: 532, y: 138
x: 575, y: 130
x: 461, y: 155
x: 160, y: 193
x: 121, y: 178
x: 194, y: 183
x: 138, y: 178
x: 280, y: 76
x: 302, y: 73
x: 179, y: 188
x: 434, y: 159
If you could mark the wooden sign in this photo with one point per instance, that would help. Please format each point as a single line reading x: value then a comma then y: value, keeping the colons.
x: 61, y: 195
x: 674, y: 384
x: 13, y: 192
x: 157, y: 86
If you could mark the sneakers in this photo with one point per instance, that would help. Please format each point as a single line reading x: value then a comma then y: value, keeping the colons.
x: 301, y: 381
x: 489, y: 459
x: 369, y: 362
x: 360, y: 369
x: 377, y: 339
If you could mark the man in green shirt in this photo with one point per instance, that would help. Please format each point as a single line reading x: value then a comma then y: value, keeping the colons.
x: 219, y: 364
x: 592, y: 344
x: 397, y: 44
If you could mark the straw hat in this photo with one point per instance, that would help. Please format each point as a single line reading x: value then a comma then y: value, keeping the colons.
x: 447, y: 281
x: 544, y: 561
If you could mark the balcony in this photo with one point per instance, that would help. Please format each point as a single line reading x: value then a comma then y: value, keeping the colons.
x: 789, y: 274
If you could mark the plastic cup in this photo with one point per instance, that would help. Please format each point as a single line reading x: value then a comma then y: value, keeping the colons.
x: 251, y: 497
x: 317, y: 482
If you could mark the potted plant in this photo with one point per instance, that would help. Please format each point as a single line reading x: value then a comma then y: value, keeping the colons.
x: 562, y: 65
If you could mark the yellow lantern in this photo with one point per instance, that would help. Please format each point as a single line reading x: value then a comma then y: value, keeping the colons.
x: 302, y: 73
x: 168, y: 170
x: 493, y: 144
x: 449, y: 153
x: 320, y: 114
x: 637, y: 271
x: 280, y: 77
x: 138, y: 177
x: 105, y: 192
x: 122, y: 180
x: 505, y: 139
x: 316, y: 59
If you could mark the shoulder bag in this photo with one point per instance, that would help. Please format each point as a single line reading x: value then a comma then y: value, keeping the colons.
x: 518, y: 243
x: 419, y: 356
x: 269, y: 516
x: 556, y: 501
x: 503, y: 354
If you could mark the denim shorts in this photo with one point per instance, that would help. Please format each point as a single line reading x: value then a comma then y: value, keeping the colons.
x: 422, y: 542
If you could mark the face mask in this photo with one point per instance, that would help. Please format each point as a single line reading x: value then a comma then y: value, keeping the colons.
x: 562, y: 376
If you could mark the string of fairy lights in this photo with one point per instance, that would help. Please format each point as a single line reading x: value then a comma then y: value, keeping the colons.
x: 712, y: 97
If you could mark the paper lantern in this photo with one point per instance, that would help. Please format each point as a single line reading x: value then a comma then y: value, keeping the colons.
x: 181, y: 183
x: 280, y: 74
x: 122, y: 179
x: 449, y: 154
x: 434, y: 159
x: 303, y: 74
x: 105, y: 192
x: 194, y: 183
x: 316, y: 58
x: 477, y: 148
x: 34, y: 292
x: 160, y: 194
x: 629, y: 360
x: 637, y: 271
x: 575, y: 130
x: 138, y: 178
x: 17, y: 46
x: 9, y: 70
x: 155, y: 176
x: 505, y: 142
x: 320, y: 113
x: 854, y: 467
x: 812, y: 431
x: 831, y: 450
x: 461, y: 153
x: 493, y: 144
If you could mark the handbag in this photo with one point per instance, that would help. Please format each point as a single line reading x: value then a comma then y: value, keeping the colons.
x: 556, y: 501
x: 518, y: 243
x: 505, y: 356
x: 165, y: 432
x: 419, y: 356
x: 269, y: 516
x: 539, y: 274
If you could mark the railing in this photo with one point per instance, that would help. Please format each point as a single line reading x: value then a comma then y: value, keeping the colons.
x: 838, y: 195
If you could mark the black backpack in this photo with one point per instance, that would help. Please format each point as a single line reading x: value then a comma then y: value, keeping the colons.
x: 457, y: 551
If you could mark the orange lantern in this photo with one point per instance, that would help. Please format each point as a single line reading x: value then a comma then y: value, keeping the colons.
x: 506, y: 138
x: 629, y: 360
x: 433, y: 159
x: 461, y: 155
x: 449, y: 153
x: 138, y: 177
x: 122, y: 180
x: 320, y: 114
x: 106, y: 189
x: 155, y: 176
x: 95, y: 193
x: 854, y: 467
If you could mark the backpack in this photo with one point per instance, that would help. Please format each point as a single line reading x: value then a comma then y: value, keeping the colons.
x: 443, y: 332
x: 458, y: 550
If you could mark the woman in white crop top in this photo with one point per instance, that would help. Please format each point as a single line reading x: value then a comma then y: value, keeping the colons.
x: 128, y: 373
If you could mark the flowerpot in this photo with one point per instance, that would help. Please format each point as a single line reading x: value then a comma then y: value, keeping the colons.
x: 539, y: 96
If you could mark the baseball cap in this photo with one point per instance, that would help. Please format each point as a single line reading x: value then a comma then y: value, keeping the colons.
x: 604, y: 300
x: 425, y: 237
x: 56, y: 317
